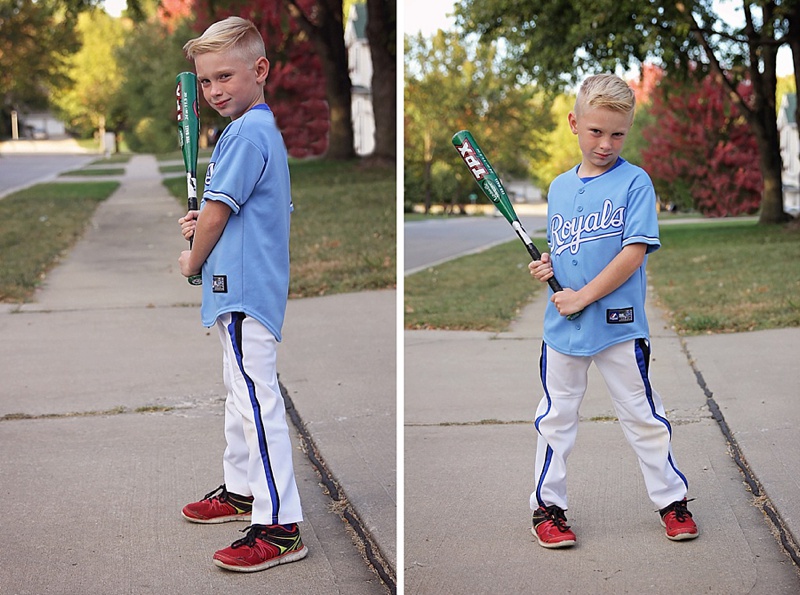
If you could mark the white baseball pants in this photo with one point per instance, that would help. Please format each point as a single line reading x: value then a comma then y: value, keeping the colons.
x: 258, y: 455
x: 625, y: 369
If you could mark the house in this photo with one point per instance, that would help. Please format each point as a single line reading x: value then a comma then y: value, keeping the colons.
x: 360, y: 61
x: 790, y: 153
x: 40, y: 125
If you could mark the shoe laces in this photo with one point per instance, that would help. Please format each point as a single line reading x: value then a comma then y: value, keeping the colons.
x: 253, y: 531
x: 558, y: 517
x: 680, y: 510
x: 223, y: 493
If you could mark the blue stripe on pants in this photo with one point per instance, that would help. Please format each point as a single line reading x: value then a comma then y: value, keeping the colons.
x: 235, y: 333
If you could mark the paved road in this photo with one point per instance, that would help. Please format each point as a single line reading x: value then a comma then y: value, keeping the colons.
x: 20, y: 171
x: 434, y: 241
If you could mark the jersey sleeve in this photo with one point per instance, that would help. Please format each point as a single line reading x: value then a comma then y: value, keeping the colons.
x: 641, y: 219
x: 238, y: 168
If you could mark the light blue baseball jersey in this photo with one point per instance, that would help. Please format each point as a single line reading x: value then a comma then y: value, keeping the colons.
x: 248, y: 269
x: 589, y: 222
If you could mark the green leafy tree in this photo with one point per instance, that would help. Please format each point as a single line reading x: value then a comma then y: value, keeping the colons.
x: 561, y: 41
x: 560, y: 144
x: 453, y: 84
x: 36, y: 38
x: 149, y: 60
x: 87, y: 104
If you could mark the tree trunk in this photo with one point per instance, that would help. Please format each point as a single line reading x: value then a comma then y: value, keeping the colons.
x: 382, y: 33
x: 763, y: 120
x: 326, y: 30
x: 769, y: 161
x: 427, y: 159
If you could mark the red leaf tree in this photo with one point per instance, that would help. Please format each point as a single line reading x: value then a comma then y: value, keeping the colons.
x: 295, y: 89
x: 701, y: 153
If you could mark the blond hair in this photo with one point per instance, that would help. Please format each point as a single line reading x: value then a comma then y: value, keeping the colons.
x: 608, y: 91
x: 234, y: 33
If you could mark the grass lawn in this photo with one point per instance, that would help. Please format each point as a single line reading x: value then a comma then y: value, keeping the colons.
x: 478, y: 292
x: 721, y: 276
x: 90, y: 172
x: 728, y: 276
x: 37, y: 225
x: 111, y: 159
x: 343, y: 235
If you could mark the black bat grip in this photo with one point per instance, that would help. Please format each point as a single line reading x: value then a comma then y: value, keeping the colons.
x: 536, y: 255
x: 552, y: 281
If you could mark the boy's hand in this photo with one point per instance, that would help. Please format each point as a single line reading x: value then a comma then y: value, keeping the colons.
x: 188, y: 223
x: 568, y: 301
x: 541, y: 269
x: 186, y: 269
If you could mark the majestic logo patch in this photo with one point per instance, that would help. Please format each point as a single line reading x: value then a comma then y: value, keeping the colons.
x: 219, y: 284
x: 620, y: 316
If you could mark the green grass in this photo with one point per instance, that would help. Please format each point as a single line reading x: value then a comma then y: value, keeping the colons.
x: 713, y: 277
x: 178, y: 155
x: 171, y: 169
x: 343, y: 235
x: 37, y: 225
x: 91, y: 172
x: 116, y: 158
x: 728, y: 276
x: 479, y: 292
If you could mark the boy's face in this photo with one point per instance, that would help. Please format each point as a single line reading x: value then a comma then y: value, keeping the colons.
x: 601, y: 136
x: 230, y: 84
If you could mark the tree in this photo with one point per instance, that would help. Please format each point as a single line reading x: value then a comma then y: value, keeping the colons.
x: 36, y: 37
x: 86, y: 104
x: 452, y: 85
x: 296, y: 86
x: 700, y: 149
x: 149, y: 59
x: 560, y: 41
x: 323, y: 22
x: 382, y: 37
x: 560, y: 144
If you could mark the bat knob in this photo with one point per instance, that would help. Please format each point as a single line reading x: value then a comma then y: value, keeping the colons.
x: 195, y: 280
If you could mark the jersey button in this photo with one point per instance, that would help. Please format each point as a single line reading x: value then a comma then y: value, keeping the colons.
x: 578, y: 326
x: 574, y: 263
x: 581, y: 190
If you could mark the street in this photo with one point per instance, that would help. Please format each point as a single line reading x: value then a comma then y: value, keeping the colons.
x: 20, y: 171
x: 437, y: 240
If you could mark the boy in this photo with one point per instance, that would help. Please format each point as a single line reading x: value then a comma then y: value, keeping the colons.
x: 241, y: 243
x: 601, y: 226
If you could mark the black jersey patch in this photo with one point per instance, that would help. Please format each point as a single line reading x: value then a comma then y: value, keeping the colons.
x: 219, y: 284
x: 619, y: 316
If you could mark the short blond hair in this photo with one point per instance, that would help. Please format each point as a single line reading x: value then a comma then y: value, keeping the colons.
x: 608, y: 91
x: 233, y: 33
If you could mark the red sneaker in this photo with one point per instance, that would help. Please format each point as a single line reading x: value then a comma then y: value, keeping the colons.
x: 263, y: 547
x: 219, y: 506
x: 551, y: 529
x: 678, y: 522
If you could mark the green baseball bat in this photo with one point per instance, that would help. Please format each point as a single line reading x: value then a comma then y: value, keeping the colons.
x: 493, y: 188
x: 189, y: 137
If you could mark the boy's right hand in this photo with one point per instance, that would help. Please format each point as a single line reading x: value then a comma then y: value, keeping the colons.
x: 541, y: 269
x: 188, y: 223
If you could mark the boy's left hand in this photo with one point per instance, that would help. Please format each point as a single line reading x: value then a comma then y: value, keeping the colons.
x: 186, y: 269
x: 568, y: 301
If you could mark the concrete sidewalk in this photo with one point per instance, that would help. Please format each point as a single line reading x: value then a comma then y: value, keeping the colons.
x: 470, y: 398
x: 112, y: 417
